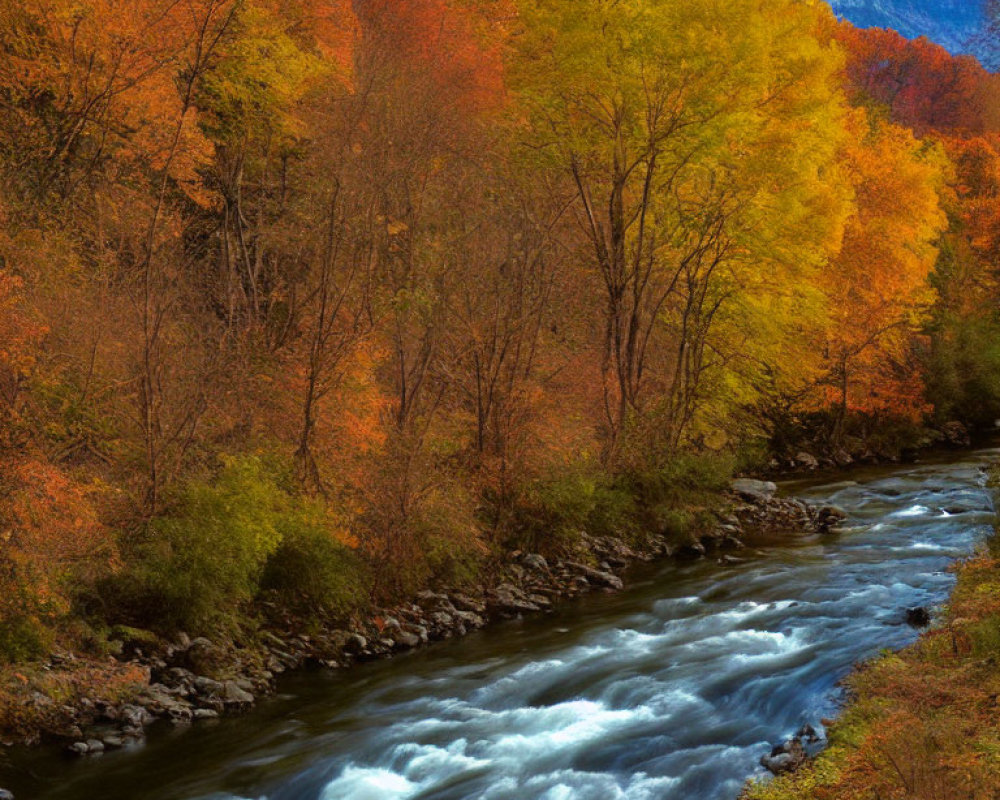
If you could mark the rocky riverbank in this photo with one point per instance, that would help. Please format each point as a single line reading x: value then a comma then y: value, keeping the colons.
x: 813, y: 450
x: 187, y: 680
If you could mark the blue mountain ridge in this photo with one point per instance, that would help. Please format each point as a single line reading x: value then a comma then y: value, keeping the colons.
x: 951, y: 23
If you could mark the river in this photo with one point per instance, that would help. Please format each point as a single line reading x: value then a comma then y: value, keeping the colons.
x: 671, y: 690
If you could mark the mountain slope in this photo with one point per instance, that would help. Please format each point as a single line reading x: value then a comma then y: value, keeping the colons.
x: 952, y: 23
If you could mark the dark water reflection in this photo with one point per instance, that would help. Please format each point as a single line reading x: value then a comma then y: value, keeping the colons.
x: 671, y: 690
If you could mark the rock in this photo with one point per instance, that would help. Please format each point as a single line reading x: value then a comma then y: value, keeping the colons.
x: 203, y: 657
x: 470, y: 619
x: 842, y: 458
x: 598, y: 577
x: 509, y: 600
x: 78, y: 748
x: 442, y: 620
x: 94, y: 746
x: 390, y: 625
x: 536, y: 562
x: 205, y: 713
x: 427, y: 597
x: 786, y: 757
x: 112, y: 741
x: 693, y: 549
x: 956, y: 434
x: 420, y: 631
x: 829, y: 517
x: 808, y: 732
x: 135, y: 717
x: 404, y: 640
x: 355, y: 644
x: 236, y: 698
x: 465, y: 603
x: 918, y: 617
x: 807, y: 460
x: 754, y: 491
x: 207, y: 686
x: 72, y: 732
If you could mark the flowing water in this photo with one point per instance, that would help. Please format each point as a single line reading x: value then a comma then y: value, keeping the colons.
x: 671, y: 690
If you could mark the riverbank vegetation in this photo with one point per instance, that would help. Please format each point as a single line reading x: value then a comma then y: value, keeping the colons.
x: 326, y: 303
x: 922, y: 722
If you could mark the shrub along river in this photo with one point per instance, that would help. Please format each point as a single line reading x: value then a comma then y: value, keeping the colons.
x: 671, y: 690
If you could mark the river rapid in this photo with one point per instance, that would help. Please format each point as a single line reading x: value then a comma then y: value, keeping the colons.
x: 671, y: 690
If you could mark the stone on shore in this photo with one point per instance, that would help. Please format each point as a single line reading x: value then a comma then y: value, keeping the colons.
x: 754, y: 491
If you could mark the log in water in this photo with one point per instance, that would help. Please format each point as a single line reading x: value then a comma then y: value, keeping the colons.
x: 670, y: 691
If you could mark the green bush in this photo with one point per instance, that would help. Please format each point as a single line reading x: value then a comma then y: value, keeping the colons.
x: 963, y: 370
x: 551, y: 513
x: 205, y: 557
x: 615, y: 512
x: 675, y: 499
x: 311, y: 570
x: 22, y: 638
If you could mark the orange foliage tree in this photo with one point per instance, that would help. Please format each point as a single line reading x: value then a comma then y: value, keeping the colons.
x: 878, y: 285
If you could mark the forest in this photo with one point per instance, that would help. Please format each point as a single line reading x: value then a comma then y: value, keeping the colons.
x: 324, y: 303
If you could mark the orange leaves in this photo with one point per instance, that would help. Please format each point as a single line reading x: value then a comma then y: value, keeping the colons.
x: 878, y: 285
x: 449, y: 46
x: 330, y: 24
x: 18, y: 332
x: 49, y: 532
x: 920, y: 83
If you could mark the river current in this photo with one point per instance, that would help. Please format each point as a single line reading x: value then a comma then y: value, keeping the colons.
x: 671, y: 690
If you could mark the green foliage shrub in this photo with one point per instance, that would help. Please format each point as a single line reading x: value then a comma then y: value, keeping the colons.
x: 677, y: 497
x: 673, y: 498
x: 23, y: 637
x: 447, y: 533
x: 963, y: 370
x: 550, y: 513
x: 311, y: 569
x: 222, y: 540
x: 204, y: 558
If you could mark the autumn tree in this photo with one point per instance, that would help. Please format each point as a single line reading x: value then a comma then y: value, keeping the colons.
x: 661, y: 113
x: 878, y: 284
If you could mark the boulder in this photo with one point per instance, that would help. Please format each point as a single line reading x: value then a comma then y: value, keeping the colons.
x: 808, y: 732
x: 236, y: 698
x: 465, y: 603
x: 786, y: 757
x: 404, y: 640
x: 135, y: 716
x: 508, y: 600
x: 918, y: 617
x: 956, y: 434
x: 597, y: 576
x: 204, y: 657
x: 471, y: 619
x: 535, y: 562
x: 207, y: 686
x: 807, y: 460
x: 420, y: 631
x: 829, y: 517
x: 754, y: 491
